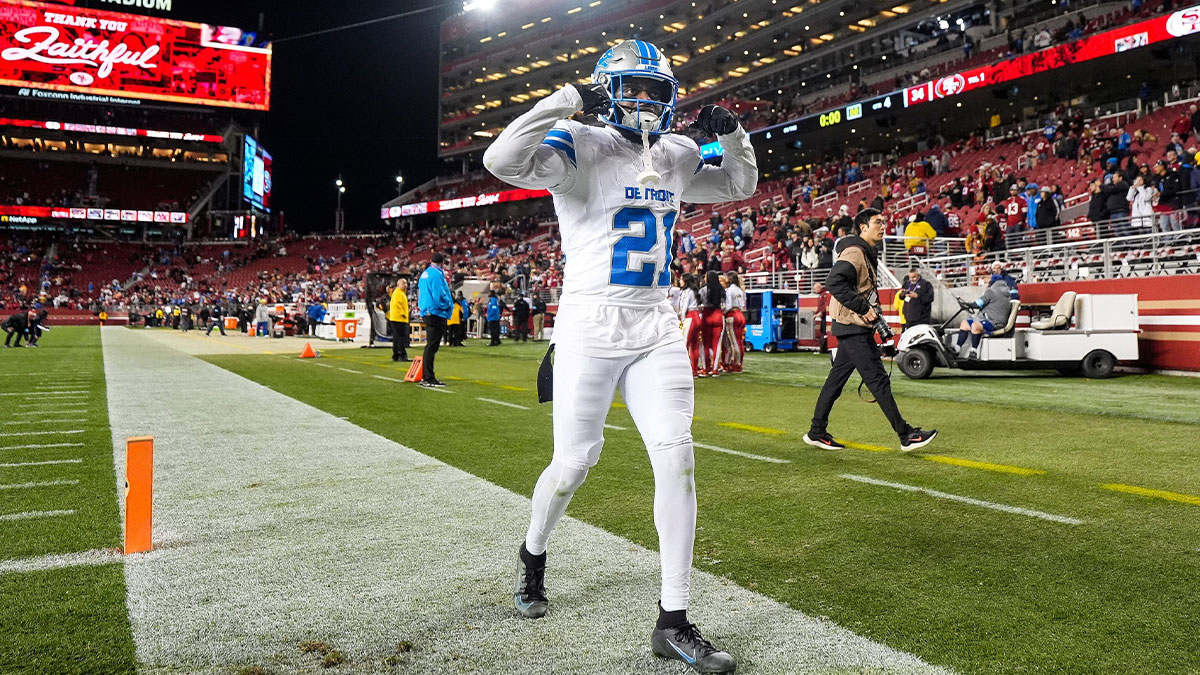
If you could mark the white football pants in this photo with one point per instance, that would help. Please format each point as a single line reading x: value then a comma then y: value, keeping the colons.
x: 657, y: 388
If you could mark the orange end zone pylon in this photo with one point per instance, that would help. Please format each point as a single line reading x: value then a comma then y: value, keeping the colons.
x: 415, y: 371
x: 139, y: 493
x: 308, y: 352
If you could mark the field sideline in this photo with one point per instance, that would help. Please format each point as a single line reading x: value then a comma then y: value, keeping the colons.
x: 1091, y: 569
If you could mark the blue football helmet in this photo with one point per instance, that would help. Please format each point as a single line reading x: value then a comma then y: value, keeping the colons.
x: 629, y: 70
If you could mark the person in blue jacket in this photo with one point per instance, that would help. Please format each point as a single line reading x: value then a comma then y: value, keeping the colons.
x: 435, y: 303
x: 316, y: 314
x: 1032, y: 199
x: 495, y: 306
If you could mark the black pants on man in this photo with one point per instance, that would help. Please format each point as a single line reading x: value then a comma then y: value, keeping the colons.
x: 400, y: 337
x: 494, y: 331
x: 858, y: 352
x: 217, y: 323
x: 435, y: 328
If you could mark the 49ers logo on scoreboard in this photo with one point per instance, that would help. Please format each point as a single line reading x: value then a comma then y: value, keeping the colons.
x: 1184, y: 22
x: 949, y: 85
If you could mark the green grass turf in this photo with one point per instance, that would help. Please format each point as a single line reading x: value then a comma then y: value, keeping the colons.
x: 66, y: 620
x: 975, y: 589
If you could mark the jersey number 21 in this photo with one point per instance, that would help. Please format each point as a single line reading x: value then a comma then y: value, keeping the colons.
x: 644, y: 276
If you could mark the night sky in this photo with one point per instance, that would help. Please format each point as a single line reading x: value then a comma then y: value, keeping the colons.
x: 360, y: 102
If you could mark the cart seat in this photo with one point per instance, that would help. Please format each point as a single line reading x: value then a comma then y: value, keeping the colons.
x: 1060, y: 316
x: 1013, y: 310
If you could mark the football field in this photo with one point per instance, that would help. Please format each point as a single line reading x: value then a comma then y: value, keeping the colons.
x: 1053, y: 527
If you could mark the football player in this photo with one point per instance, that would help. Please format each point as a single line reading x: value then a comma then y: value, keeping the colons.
x: 617, y: 187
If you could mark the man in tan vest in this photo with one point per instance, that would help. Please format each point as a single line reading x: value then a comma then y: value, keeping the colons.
x: 854, y: 309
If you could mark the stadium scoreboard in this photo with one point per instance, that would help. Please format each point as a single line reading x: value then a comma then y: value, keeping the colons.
x: 875, y: 108
x: 75, y: 54
x: 256, y: 175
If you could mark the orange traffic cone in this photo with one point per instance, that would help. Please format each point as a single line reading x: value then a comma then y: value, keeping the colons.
x: 308, y: 352
x: 415, y: 371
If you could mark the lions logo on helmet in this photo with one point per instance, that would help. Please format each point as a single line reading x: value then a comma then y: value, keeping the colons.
x: 643, y: 88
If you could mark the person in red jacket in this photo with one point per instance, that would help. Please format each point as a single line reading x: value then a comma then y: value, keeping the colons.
x: 1015, y: 210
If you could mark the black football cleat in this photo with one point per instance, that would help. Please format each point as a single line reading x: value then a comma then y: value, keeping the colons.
x: 530, y: 594
x: 684, y: 643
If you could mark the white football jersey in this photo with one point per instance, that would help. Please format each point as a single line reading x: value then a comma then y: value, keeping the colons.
x: 616, y: 233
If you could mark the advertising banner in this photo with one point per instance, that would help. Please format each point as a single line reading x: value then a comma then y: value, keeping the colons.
x: 72, y: 53
x: 77, y: 213
x: 486, y: 199
x: 1141, y: 34
x: 110, y: 130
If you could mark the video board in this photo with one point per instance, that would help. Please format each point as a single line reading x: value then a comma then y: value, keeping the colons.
x: 256, y: 175
x: 1140, y: 34
x: 59, y: 52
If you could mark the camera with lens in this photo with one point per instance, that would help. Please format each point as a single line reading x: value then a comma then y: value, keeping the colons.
x: 880, y: 325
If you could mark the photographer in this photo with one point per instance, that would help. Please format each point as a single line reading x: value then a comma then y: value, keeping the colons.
x: 856, y: 316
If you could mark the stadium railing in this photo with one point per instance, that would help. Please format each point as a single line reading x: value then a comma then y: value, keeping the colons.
x: 1142, y: 255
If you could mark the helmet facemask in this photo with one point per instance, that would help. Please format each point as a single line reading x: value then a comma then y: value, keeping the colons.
x: 641, y: 101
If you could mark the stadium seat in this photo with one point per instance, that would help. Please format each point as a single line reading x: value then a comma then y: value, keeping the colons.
x: 1014, y: 309
x: 1060, y: 316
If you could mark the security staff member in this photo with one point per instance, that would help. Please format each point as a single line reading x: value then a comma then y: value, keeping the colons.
x: 917, y: 296
x: 854, y: 309
x: 397, y: 317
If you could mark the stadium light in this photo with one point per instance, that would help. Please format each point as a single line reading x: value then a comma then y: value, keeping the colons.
x: 338, y: 182
x: 472, y: 5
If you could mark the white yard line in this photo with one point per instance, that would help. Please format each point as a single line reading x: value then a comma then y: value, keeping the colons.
x: 503, y: 403
x: 50, y: 405
x: 56, y: 393
x: 41, y: 445
x: 422, y: 552
x: 35, y: 514
x: 49, y: 461
x: 10, y: 434
x: 323, y: 365
x: 440, y: 390
x: 614, y: 427
x: 99, y: 556
x: 49, y: 420
x: 389, y: 379
x: 965, y: 500
x: 49, y: 483
x: 350, y: 370
x: 56, y: 412
x: 739, y: 453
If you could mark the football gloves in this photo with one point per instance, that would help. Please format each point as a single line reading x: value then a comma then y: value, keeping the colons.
x: 596, y: 100
x: 715, y: 120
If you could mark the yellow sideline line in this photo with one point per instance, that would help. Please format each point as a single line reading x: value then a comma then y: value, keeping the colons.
x: 862, y: 446
x: 1159, y: 494
x: 987, y: 466
x: 509, y: 387
x: 751, y: 427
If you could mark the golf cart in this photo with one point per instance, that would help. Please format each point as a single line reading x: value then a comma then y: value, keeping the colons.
x: 1084, y: 333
